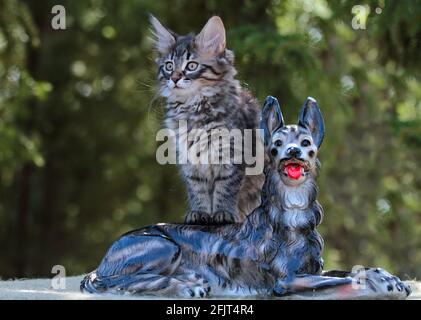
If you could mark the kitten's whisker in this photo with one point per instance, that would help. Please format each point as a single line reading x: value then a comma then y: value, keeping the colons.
x: 145, y: 87
x: 157, y: 111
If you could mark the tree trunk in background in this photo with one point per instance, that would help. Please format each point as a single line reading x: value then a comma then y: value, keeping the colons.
x: 22, y: 219
x: 24, y: 205
x: 47, y: 240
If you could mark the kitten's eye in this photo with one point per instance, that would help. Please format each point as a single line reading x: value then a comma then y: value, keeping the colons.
x: 305, y: 143
x: 278, y: 143
x: 191, y: 66
x: 169, y: 66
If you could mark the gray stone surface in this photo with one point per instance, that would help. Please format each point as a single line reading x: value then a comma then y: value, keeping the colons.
x: 41, y: 289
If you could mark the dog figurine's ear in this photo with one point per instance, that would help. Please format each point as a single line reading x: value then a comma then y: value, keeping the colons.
x: 271, y: 119
x: 312, y: 119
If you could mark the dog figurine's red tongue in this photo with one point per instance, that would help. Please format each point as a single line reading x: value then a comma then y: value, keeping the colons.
x: 293, y: 171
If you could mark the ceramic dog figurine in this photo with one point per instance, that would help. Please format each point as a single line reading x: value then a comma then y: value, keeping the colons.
x: 275, y: 251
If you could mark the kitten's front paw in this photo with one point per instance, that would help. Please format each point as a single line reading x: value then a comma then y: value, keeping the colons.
x: 380, y: 282
x: 197, y: 217
x: 223, y: 217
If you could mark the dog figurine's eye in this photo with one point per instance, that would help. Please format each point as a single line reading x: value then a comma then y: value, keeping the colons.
x: 278, y: 143
x: 191, y: 66
x: 305, y: 143
x: 169, y: 66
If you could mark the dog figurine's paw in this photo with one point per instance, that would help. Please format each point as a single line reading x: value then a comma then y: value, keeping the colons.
x: 193, y: 286
x: 279, y: 291
x: 379, y: 283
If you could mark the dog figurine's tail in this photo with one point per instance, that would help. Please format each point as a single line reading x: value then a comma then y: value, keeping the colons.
x: 90, y: 284
x: 93, y: 283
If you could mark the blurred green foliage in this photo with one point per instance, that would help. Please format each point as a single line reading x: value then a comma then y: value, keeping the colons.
x: 79, y: 113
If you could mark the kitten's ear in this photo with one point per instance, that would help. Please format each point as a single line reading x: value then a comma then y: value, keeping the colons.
x: 312, y: 119
x: 211, y: 40
x: 271, y: 119
x: 163, y: 38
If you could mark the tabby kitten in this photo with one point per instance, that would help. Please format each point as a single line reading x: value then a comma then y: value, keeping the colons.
x: 196, y: 75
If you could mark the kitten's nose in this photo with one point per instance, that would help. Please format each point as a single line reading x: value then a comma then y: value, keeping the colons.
x: 175, y: 77
x: 294, y: 152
